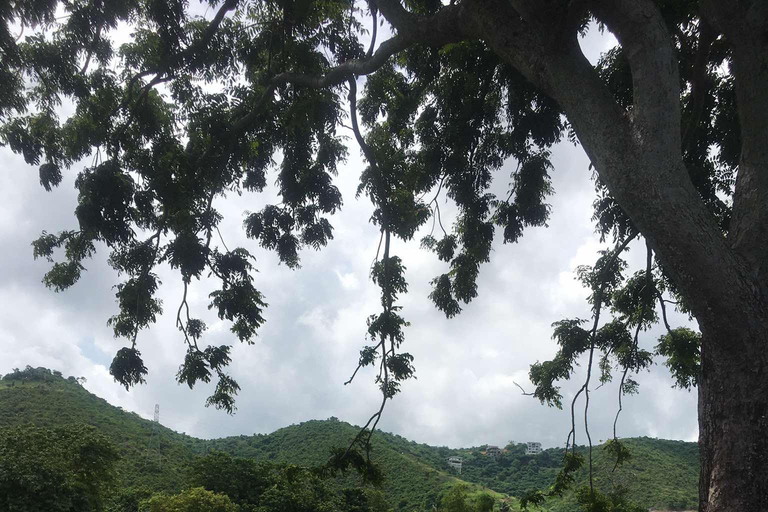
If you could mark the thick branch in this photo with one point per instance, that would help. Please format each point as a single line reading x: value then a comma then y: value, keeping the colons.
x: 374, y: 30
x: 332, y: 77
x: 212, y: 28
x: 447, y: 25
x: 745, y: 29
x: 640, y: 28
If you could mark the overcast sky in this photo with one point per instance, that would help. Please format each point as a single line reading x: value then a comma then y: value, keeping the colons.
x: 464, y: 394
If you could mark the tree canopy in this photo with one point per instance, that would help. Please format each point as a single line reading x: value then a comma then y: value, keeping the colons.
x: 192, y: 107
x: 62, y: 470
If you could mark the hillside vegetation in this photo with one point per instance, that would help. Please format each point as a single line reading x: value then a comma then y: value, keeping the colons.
x: 661, y: 474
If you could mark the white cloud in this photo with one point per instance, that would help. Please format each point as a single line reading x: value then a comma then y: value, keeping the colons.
x: 349, y: 280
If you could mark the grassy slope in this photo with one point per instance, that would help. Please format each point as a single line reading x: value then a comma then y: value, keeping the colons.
x: 661, y: 474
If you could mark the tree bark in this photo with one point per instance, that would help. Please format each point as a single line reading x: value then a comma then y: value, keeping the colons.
x: 733, y: 421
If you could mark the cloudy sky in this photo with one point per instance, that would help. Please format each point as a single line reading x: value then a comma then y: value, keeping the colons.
x: 464, y: 394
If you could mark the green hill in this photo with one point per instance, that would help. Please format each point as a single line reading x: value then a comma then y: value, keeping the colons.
x: 151, y: 455
x: 410, y: 482
x: 660, y: 474
x: 156, y: 457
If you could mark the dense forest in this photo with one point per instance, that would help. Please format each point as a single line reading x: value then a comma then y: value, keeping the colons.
x: 157, y: 469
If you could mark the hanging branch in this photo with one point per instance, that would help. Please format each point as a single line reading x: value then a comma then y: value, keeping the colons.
x: 379, y: 195
x: 572, y: 461
x: 593, y: 334
x: 598, y: 305
x: 647, y: 290
x: 663, y: 311
x: 586, y: 405
x: 387, y: 293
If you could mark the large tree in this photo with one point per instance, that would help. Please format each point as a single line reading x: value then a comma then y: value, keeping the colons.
x: 673, y: 120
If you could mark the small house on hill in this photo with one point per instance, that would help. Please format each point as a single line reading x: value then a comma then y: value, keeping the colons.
x: 455, y: 463
x: 492, y: 451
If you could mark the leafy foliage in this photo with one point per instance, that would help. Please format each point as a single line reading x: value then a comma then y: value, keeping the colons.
x: 192, y: 500
x: 64, y: 469
x: 681, y: 347
x: 165, y: 146
x: 457, y: 499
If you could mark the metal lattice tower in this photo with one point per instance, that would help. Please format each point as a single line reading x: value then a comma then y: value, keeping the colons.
x: 155, y: 422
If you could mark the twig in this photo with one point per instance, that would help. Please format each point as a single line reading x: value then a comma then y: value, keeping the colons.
x: 376, y: 258
x: 525, y: 393
x: 664, y: 311
x: 222, y: 239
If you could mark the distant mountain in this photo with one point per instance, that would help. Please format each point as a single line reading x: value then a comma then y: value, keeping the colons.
x: 661, y: 474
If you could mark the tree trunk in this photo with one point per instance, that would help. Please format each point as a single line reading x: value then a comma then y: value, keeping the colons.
x: 733, y: 417
x: 733, y: 386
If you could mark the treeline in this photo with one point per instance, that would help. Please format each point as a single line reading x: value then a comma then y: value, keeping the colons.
x: 39, y: 374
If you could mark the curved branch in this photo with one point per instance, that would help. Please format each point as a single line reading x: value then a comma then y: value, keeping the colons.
x: 662, y: 302
x: 334, y: 76
x: 374, y: 30
x: 367, y: 151
x: 162, y: 73
x: 523, y: 391
x: 212, y: 28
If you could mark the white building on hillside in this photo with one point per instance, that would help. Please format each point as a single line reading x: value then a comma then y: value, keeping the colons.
x: 533, y: 448
x: 455, y: 463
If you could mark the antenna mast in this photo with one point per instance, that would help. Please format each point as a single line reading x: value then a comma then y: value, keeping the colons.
x: 155, y: 422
